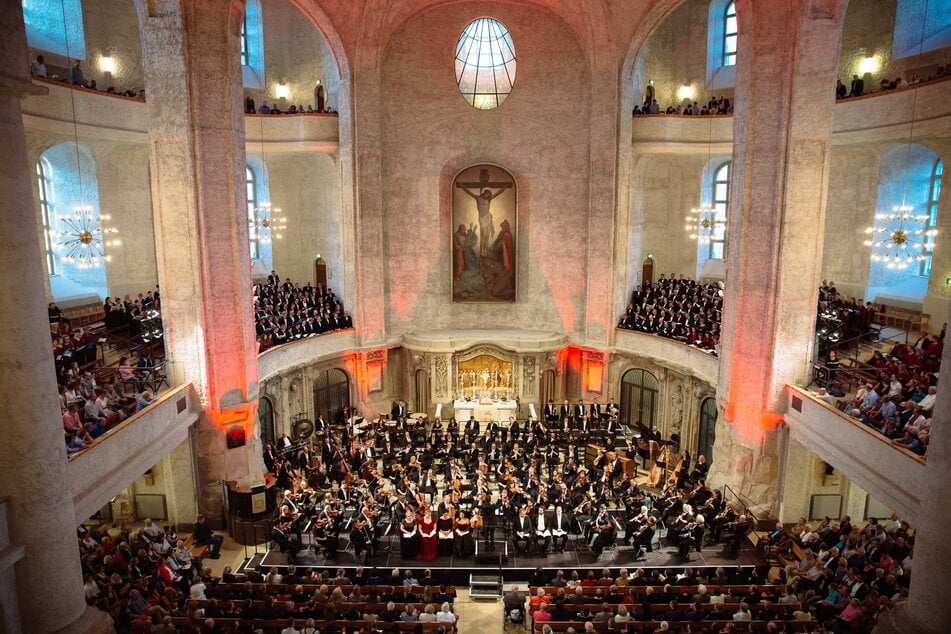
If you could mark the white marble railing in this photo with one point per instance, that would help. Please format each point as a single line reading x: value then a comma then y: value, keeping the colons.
x: 100, y: 116
x: 669, y: 352
x: 891, y: 475
x: 132, y: 448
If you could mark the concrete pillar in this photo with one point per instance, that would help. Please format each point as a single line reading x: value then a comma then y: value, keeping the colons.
x: 939, y: 293
x: 39, y: 508
x: 926, y: 611
x: 782, y: 128
x: 196, y: 137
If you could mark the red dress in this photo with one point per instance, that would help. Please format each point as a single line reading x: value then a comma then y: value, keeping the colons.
x: 429, y: 540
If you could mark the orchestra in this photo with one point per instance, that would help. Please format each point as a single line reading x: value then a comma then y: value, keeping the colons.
x: 440, y: 488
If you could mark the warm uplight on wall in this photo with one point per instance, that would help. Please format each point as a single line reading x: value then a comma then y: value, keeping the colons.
x: 107, y: 64
x: 685, y: 92
x: 868, y: 65
x: 282, y: 91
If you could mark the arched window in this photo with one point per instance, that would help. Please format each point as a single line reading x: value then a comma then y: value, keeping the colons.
x: 78, y: 248
x: 46, y: 212
x: 245, y: 45
x: 266, y: 419
x: 921, y: 27
x: 485, y: 63
x: 708, y: 428
x: 252, y: 208
x: 55, y: 27
x: 722, y: 44
x: 934, y: 190
x: 729, y: 36
x: 252, y: 45
x: 639, y: 395
x: 721, y: 199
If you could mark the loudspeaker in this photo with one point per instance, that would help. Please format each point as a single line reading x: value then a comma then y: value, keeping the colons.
x: 490, y: 559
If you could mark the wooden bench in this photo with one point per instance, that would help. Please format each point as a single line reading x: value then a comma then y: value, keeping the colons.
x: 184, y: 624
x: 197, y: 550
x: 903, y: 318
x: 796, y: 550
x: 678, y: 626
x: 226, y: 590
x: 82, y: 314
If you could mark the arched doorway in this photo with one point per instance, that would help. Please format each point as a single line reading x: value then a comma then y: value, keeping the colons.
x: 639, y: 397
x: 266, y: 420
x: 708, y: 428
x: 647, y: 270
x: 421, y: 391
x: 331, y: 394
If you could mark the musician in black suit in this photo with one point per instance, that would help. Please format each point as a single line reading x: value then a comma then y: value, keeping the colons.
x: 644, y: 537
x: 399, y: 410
x: 550, y: 412
x: 559, y: 524
x: 564, y: 411
x: 594, y: 411
x: 524, y: 530
x: 580, y: 410
x: 288, y: 546
x: 269, y: 457
x: 738, y: 528
x: 606, y: 532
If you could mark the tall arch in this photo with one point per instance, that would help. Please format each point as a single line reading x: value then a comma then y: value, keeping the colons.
x: 707, y: 430
x: 640, y: 395
x: 331, y: 394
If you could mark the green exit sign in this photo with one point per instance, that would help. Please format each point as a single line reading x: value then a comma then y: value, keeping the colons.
x: 948, y: 281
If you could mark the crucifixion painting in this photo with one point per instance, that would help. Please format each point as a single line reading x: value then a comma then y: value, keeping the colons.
x: 484, y: 206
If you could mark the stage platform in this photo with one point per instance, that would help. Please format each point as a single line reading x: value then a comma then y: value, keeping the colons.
x: 456, y: 571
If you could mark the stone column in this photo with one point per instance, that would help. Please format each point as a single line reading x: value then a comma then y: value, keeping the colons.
x: 927, y: 611
x: 939, y: 293
x: 782, y: 129
x: 196, y: 138
x: 33, y: 478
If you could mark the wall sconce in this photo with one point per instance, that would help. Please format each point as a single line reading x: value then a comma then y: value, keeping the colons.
x: 868, y: 65
x: 685, y: 92
x: 650, y: 82
x: 282, y: 91
x: 107, y: 64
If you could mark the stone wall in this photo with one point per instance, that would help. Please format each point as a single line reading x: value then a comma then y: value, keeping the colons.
x: 306, y: 186
x: 665, y: 187
x: 853, y: 175
x: 540, y: 134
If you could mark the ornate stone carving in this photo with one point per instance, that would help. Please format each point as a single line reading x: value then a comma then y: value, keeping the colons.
x: 441, y: 373
x: 529, y: 373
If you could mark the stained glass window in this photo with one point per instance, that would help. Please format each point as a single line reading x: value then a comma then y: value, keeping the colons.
x: 485, y: 63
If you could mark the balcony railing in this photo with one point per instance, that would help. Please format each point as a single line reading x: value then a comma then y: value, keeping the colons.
x: 891, y: 474
x: 130, y: 449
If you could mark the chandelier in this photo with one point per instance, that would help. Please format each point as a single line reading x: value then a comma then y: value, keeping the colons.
x: 900, y: 238
x: 266, y: 225
x: 700, y: 223
x: 150, y: 322
x: 84, y: 238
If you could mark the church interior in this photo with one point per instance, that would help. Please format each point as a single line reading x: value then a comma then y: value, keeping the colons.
x: 422, y: 300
